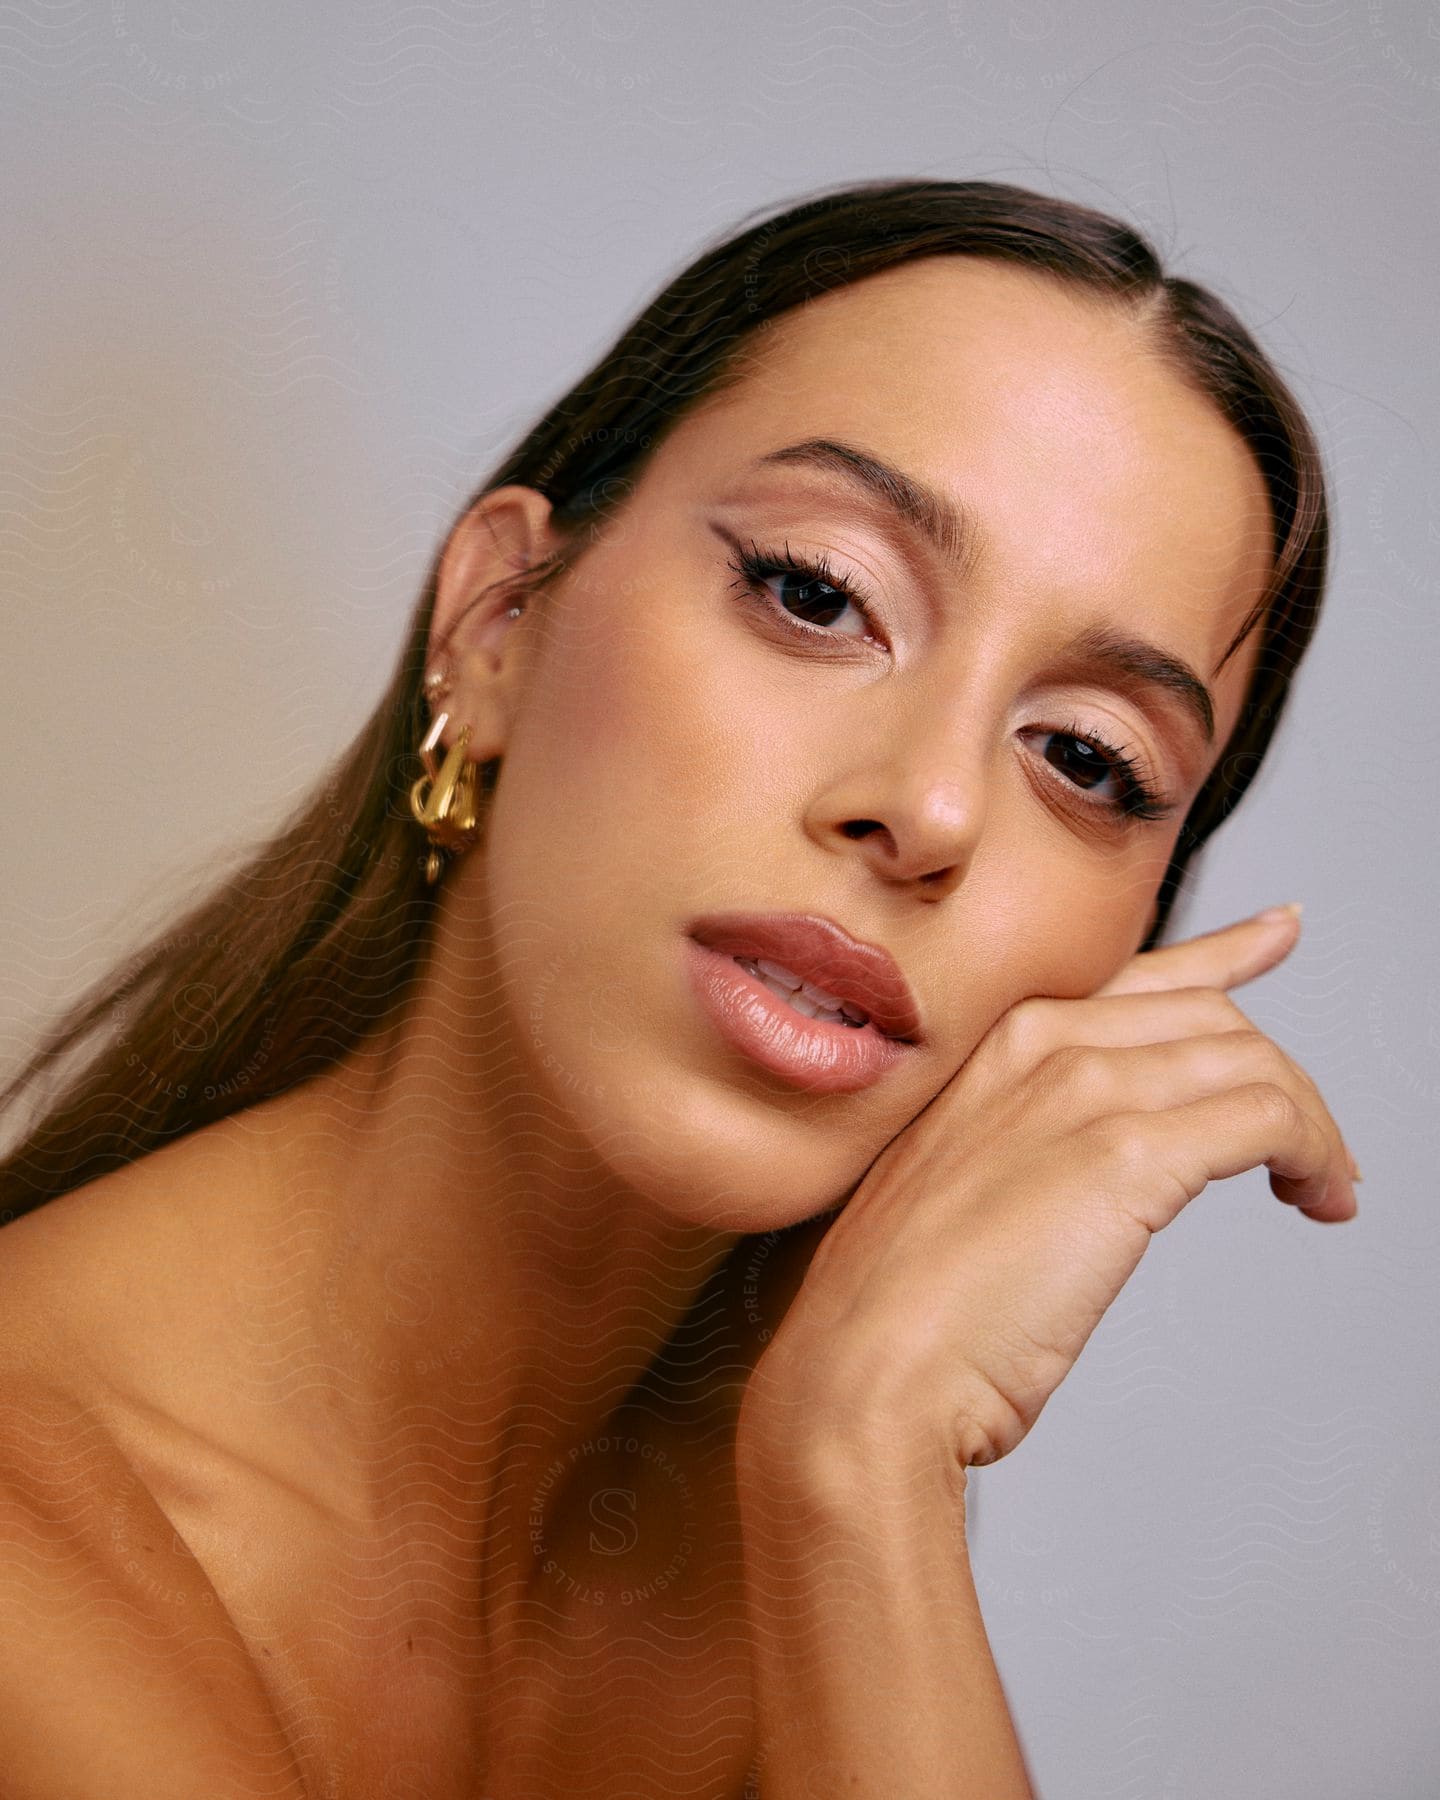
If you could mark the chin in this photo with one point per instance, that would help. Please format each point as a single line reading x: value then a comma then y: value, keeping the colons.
x: 706, y: 1156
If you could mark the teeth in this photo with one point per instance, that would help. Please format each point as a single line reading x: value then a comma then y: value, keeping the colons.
x: 813, y: 1002
x: 777, y: 972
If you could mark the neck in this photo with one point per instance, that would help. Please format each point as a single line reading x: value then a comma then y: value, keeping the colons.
x: 483, y: 1289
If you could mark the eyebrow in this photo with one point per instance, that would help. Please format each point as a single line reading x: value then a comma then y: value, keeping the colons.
x: 955, y: 535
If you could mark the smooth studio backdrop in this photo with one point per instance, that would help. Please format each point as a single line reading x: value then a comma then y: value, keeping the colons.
x: 281, y: 281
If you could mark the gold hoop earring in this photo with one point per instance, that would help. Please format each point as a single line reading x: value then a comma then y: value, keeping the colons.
x: 443, y: 798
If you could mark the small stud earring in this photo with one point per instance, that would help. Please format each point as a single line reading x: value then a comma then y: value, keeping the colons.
x: 437, y: 682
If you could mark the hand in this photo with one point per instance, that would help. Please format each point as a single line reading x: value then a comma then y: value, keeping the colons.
x: 955, y: 1290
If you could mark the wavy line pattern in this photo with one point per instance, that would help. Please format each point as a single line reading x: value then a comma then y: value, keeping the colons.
x: 280, y: 282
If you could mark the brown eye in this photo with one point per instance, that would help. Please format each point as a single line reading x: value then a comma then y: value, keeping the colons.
x: 809, y: 585
x: 1084, y: 761
x: 1086, y: 766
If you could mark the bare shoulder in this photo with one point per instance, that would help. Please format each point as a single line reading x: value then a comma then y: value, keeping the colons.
x: 136, y: 1283
x: 170, y: 1211
x: 119, y: 1665
x: 117, y: 1661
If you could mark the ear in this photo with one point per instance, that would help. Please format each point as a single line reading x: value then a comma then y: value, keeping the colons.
x: 504, y: 533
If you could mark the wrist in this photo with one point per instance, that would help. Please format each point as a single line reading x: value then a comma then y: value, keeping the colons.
x: 843, y: 1458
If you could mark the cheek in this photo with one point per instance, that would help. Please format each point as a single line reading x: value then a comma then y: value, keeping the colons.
x: 644, y: 720
x: 1062, y: 914
x: 624, y: 791
x: 1075, y: 935
x: 621, y: 695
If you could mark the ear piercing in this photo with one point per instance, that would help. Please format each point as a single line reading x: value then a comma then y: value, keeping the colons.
x: 438, y: 680
x: 443, y: 799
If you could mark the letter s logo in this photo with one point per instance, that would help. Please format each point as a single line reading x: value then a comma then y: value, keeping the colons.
x: 623, y: 1533
x: 410, y: 1299
x: 194, y: 1006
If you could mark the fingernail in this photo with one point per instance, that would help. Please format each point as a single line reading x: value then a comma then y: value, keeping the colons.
x: 1274, y: 914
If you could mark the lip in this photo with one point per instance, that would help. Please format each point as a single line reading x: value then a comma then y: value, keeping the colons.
x: 823, y: 953
x: 814, y: 1055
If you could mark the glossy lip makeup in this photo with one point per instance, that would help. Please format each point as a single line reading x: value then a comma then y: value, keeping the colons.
x: 816, y: 1054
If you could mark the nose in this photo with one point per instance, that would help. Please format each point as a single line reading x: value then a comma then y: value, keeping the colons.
x: 917, y: 820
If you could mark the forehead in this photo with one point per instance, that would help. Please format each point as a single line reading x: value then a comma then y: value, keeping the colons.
x: 1106, y: 487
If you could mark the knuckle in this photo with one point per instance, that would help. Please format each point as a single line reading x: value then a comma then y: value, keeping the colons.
x: 1251, y: 1046
x: 1275, y: 1104
x: 1284, y: 1073
x: 1121, y: 1142
x: 1083, y: 1069
x: 1025, y: 1029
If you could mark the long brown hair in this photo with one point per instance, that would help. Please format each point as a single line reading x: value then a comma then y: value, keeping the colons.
x: 314, y: 938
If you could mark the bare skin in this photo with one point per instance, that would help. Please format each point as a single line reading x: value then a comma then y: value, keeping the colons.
x: 388, y: 1317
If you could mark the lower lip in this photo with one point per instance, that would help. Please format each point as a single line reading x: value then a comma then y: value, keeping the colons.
x: 808, y: 1053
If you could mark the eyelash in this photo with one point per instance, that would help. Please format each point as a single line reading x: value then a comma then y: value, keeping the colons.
x: 1138, y: 800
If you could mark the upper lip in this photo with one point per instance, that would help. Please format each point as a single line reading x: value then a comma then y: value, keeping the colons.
x: 823, y: 953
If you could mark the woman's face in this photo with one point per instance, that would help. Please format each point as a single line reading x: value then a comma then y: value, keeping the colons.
x: 678, y: 748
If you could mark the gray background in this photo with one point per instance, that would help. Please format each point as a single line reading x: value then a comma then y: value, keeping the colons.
x: 282, y: 280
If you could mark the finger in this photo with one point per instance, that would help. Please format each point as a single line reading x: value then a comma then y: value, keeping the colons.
x: 1164, y: 1076
x: 1307, y: 1081
x: 1224, y: 1134
x: 1038, y: 1026
x: 1225, y: 958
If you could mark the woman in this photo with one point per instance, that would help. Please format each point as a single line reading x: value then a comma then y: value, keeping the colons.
x: 478, y: 1327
